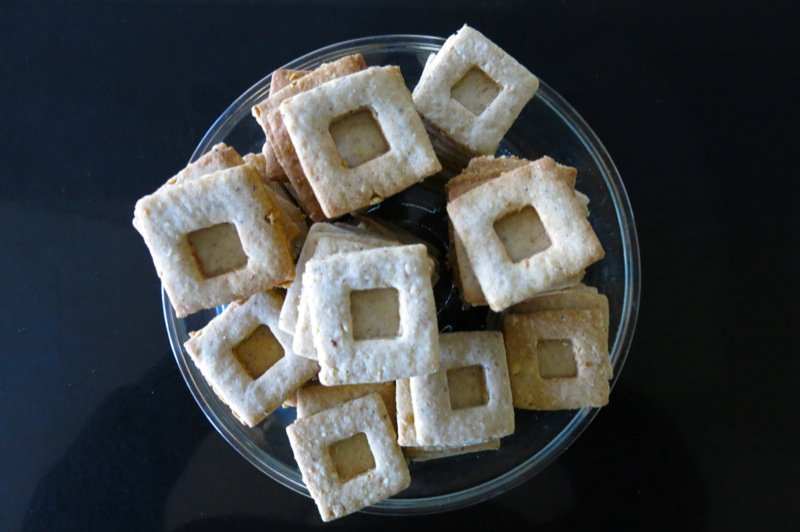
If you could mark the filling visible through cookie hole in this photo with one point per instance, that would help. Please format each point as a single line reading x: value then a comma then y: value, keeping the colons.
x: 358, y: 137
x: 556, y: 359
x: 375, y: 313
x: 258, y: 352
x: 467, y: 387
x: 217, y: 249
x: 352, y: 456
x: 475, y: 91
x: 522, y: 234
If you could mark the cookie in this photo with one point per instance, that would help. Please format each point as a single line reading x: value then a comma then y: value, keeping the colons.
x: 348, y: 456
x: 402, y: 273
x: 359, y: 139
x: 468, y: 400
x: 579, y: 381
x: 215, y: 239
x: 472, y: 91
x: 567, y: 245
x: 247, y: 360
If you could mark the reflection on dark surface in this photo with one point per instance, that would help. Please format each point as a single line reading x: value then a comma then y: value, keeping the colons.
x: 632, y: 468
x: 628, y: 468
x: 122, y: 465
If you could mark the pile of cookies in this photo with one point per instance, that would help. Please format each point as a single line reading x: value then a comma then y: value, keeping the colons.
x: 337, y: 316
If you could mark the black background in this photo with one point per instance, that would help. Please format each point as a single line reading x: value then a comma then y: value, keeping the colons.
x: 698, y: 106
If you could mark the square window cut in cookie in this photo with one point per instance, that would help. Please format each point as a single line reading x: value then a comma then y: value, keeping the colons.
x: 468, y: 400
x: 359, y: 139
x: 247, y: 360
x: 348, y: 456
x: 329, y: 285
x: 407, y: 433
x: 557, y: 359
x: 472, y: 91
x: 215, y: 238
x: 507, y: 249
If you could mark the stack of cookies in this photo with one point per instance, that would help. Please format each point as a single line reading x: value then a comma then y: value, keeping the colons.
x: 337, y: 316
x: 346, y: 136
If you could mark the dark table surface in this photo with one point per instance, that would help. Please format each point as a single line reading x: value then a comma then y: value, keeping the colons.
x: 697, y: 104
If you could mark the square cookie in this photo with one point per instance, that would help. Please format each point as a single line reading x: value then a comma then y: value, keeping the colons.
x: 472, y: 91
x: 468, y: 400
x: 215, y: 239
x: 348, y: 456
x: 564, y: 247
x: 359, y: 139
x: 268, y: 115
x: 247, y: 360
x: 402, y: 276
x: 407, y: 436
x: 537, y: 384
x: 369, y: 309
x: 479, y: 171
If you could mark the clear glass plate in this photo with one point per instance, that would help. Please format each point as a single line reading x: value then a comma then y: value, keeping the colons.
x: 547, y: 126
